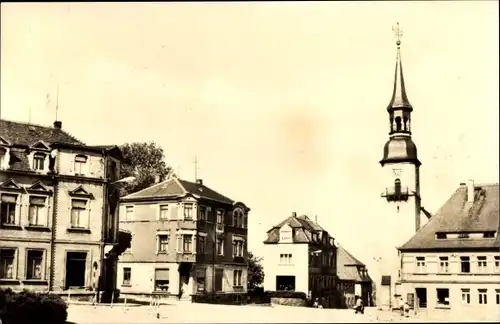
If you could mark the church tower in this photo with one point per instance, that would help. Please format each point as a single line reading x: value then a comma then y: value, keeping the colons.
x: 401, y: 188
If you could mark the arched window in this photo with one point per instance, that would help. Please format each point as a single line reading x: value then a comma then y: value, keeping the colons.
x: 405, y: 123
x: 398, y: 124
x: 397, y: 186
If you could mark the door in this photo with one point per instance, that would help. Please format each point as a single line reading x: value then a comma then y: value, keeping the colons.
x: 421, y: 297
x: 75, y: 269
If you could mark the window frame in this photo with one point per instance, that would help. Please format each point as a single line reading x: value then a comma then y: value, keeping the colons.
x: 80, y: 160
x: 165, y: 237
x: 44, y: 209
x: 6, y: 216
x: 39, y: 161
x: 85, y: 211
x: 163, y: 210
x: 28, y: 264
x: 13, y: 266
x: 129, y: 281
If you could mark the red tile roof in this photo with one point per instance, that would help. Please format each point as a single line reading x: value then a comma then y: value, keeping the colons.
x: 459, y: 216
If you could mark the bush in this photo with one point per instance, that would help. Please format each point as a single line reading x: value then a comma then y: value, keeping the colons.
x: 287, y: 294
x: 29, y: 307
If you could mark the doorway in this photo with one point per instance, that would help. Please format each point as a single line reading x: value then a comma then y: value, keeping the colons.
x: 421, y: 297
x: 75, y: 269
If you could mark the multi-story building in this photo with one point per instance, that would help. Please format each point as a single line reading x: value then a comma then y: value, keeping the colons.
x: 188, y: 239
x: 353, y: 279
x: 56, y: 222
x: 453, y: 262
x: 300, y: 255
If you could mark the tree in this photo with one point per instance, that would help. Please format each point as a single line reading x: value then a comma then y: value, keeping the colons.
x: 144, y: 161
x: 255, y: 271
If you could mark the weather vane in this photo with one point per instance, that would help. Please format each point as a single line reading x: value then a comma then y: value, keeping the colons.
x: 399, y: 33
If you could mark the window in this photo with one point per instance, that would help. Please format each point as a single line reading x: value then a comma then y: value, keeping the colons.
x: 397, y: 187
x: 188, y: 211
x: 489, y: 234
x: 443, y: 264
x: 481, y: 264
x: 203, y: 213
x: 238, y: 247
x: 187, y: 243
x: 237, y: 277
x: 34, y: 266
x: 238, y: 218
x: 220, y: 216
x: 200, y: 280
x: 443, y: 296
x: 466, y: 296
x: 78, y: 213
x: 421, y: 264
x: 162, y: 279
x: 483, y: 294
x: 441, y: 236
x: 497, y: 296
x: 38, y: 161
x: 163, y: 212
x: 163, y: 244
x: 3, y: 152
x: 463, y: 235
x: 465, y: 264
x: 219, y: 275
x: 37, y: 214
x: 8, y: 209
x: 285, y: 258
x: 497, y: 263
x: 129, y: 212
x: 127, y: 275
x: 220, y: 246
x: 80, y: 161
x: 201, y: 244
x: 7, y: 263
x: 288, y: 283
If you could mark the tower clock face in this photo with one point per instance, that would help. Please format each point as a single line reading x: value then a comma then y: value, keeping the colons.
x: 397, y: 172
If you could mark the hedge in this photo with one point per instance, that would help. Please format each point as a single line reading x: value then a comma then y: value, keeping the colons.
x: 286, y: 294
x: 29, y: 307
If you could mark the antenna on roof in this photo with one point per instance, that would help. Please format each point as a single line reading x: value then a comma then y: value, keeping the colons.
x: 57, y: 100
x: 195, y: 168
x: 29, y: 116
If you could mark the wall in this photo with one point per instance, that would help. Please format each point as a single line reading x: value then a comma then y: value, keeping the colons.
x: 298, y: 267
x: 94, y: 168
x: 93, y: 255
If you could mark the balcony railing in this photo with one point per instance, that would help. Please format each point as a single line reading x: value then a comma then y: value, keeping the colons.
x: 396, y: 194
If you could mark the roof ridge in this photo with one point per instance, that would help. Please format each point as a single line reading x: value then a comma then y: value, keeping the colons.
x: 155, y: 185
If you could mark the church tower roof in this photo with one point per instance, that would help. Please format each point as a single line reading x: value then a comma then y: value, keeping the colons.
x: 399, y: 98
x: 400, y: 147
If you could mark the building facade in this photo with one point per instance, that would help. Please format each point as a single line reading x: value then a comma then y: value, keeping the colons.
x: 453, y: 263
x: 403, y: 212
x: 187, y: 240
x: 353, y: 280
x: 299, y: 255
x: 56, y: 218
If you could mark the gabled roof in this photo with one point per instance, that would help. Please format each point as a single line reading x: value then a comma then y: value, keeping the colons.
x: 174, y: 187
x: 348, y: 267
x: 24, y: 134
x: 459, y: 216
x: 302, y: 225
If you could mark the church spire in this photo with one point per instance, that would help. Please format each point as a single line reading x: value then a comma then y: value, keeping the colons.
x: 399, y: 98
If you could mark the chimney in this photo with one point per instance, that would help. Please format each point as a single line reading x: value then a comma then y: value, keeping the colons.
x: 57, y: 124
x: 470, y: 191
x: 157, y: 178
x: 294, y: 214
x: 199, y: 182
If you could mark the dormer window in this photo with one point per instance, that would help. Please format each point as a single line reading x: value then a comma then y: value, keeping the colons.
x: 80, y: 161
x: 39, y: 161
x: 3, y: 153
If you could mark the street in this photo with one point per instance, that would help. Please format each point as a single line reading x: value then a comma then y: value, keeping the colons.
x: 205, y: 313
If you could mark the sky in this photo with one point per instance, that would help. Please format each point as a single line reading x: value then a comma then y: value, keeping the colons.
x: 284, y: 104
